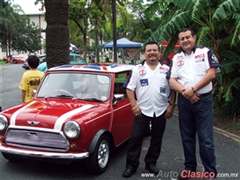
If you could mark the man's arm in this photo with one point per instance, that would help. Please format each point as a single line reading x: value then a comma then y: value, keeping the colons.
x: 210, y: 75
x: 174, y: 84
x: 170, y: 108
x: 131, y: 96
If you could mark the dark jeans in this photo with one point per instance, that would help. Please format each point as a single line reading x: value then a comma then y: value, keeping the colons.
x: 139, y: 130
x: 197, y: 119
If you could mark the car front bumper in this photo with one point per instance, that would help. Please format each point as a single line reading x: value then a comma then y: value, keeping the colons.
x: 40, y: 154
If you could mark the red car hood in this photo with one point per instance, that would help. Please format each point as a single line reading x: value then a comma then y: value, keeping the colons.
x: 49, y: 114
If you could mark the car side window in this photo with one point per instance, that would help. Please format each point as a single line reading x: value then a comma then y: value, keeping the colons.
x: 118, y: 85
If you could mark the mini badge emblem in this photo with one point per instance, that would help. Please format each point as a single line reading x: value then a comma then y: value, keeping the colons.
x: 33, y: 123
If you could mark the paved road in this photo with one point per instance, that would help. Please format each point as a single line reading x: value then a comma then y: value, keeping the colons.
x: 170, y: 161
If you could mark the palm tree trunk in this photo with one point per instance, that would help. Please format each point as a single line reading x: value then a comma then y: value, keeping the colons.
x: 57, y: 33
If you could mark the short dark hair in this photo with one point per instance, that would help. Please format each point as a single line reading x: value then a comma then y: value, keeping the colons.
x: 186, y: 29
x: 33, y: 61
x: 151, y: 42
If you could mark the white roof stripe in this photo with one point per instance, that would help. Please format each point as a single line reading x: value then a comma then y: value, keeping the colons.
x: 115, y: 68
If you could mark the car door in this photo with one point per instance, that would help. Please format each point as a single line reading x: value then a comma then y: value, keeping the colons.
x: 122, y: 112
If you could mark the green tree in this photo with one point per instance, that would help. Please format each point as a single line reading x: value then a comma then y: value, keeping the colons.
x: 16, y: 32
x: 10, y: 21
x: 28, y: 40
x: 216, y: 23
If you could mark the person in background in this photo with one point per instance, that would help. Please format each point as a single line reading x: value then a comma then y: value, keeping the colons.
x: 107, y: 58
x: 192, y: 73
x: 148, y: 91
x: 30, y: 79
x: 91, y: 58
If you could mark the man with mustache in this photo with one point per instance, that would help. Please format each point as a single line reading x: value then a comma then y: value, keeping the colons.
x: 148, y: 91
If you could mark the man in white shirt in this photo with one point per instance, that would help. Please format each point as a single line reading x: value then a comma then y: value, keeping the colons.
x: 148, y: 91
x: 192, y: 73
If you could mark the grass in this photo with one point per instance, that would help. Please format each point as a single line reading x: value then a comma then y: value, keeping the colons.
x: 2, y: 62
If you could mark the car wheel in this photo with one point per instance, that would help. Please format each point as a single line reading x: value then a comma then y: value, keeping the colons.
x: 98, y: 160
x: 10, y: 157
x: 14, y: 61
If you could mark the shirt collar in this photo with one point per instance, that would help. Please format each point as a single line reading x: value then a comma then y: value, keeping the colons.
x: 193, y: 50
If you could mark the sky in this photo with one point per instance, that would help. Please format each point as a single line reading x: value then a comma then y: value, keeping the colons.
x: 28, y: 6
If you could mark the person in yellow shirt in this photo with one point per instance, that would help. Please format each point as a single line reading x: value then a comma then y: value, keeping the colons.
x: 30, y: 79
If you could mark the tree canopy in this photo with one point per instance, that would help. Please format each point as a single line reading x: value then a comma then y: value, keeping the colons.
x: 16, y: 32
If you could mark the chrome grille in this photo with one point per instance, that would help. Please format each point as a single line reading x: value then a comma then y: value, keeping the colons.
x: 37, y: 139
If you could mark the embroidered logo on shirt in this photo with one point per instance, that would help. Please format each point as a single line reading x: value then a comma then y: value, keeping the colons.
x: 144, y: 82
x: 200, y: 58
x: 142, y: 72
x: 180, y: 63
x: 163, y: 69
x: 214, y: 59
x: 162, y: 90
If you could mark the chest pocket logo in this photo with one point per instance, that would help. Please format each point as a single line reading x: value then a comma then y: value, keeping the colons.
x: 144, y: 82
x: 180, y: 63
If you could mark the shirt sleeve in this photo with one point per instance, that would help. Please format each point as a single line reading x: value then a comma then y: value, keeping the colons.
x: 173, y: 69
x: 213, y: 61
x: 132, y: 82
x: 23, y: 83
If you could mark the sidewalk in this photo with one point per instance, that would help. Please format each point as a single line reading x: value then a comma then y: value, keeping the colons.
x: 171, y: 160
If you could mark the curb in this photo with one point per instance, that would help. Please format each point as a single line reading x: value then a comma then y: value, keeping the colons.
x: 227, y: 134
x: 220, y: 131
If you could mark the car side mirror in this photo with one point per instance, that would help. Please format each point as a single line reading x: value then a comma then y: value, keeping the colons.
x: 115, y: 101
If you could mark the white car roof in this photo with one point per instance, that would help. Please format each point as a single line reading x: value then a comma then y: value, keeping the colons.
x: 95, y: 67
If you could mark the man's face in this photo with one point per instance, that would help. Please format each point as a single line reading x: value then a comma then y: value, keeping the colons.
x: 187, y: 41
x: 151, y: 53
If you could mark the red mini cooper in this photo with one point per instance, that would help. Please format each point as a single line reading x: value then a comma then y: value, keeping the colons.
x: 78, y: 112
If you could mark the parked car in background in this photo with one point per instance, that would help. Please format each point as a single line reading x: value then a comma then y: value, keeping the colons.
x: 78, y: 112
x: 74, y: 59
x: 42, y: 58
x: 15, y: 59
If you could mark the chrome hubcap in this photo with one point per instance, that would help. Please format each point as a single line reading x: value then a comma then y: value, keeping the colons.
x: 103, y: 154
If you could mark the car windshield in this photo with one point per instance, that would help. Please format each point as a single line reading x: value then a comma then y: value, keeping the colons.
x: 93, y: 87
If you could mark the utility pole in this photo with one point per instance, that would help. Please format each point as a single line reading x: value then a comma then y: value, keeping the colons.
x: 114, y: 30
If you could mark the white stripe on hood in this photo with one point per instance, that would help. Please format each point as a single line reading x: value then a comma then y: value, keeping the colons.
x: 13, y: 117
x: 64, y: 117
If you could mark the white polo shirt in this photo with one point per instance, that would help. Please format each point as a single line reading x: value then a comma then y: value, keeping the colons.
x: 190, y: 69
x: 151, y: 87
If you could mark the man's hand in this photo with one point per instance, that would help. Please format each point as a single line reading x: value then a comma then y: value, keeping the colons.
x: 188, y: 93
x: 169, y: 112
x: 195, y: 98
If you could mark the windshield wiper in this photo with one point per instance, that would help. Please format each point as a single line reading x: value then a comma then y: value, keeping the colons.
x: 60, y: 95
x: 92, y: 99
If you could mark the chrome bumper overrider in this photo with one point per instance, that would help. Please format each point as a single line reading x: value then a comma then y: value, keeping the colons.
x: 39, y: 154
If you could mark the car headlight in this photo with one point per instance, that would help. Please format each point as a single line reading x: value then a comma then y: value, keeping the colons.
x: 3, y: 123
x: 72, y: 129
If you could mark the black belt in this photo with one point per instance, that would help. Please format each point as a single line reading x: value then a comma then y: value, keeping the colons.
x: 205, y: 94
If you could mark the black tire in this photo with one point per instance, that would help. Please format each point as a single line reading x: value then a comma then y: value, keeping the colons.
x: 10, y: 157
x: 98, y: 161
x: 14, y: 61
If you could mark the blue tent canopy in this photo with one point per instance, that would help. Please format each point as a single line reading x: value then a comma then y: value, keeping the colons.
x: 124, y: 43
